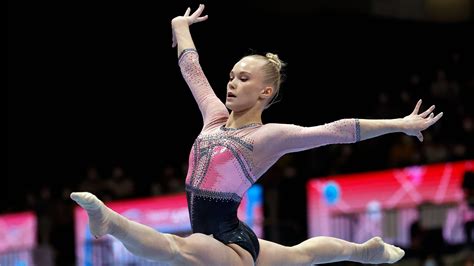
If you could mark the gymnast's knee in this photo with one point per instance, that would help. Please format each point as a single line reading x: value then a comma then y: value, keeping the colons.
x: 183, y: 249
x: 300, y: 253
x: 176, y: 244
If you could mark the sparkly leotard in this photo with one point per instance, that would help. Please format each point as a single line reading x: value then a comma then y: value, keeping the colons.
x: 225, y: 162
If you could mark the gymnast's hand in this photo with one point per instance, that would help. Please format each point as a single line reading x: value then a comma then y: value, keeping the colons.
x: 414, y: 123
x: 188, y: 19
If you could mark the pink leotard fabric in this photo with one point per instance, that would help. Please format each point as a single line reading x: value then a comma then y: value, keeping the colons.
x: 225, y: 162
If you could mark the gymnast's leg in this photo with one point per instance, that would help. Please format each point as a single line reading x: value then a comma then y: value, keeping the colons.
x: 144, y: 241
x: 328, y: 249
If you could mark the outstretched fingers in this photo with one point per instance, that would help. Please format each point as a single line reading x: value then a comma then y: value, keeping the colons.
x: 188, y: 10
x: 198, y: 11
x: 417, y: 107
x: 200, y: 19
x: 432, y: 120
x: 196, y: 16
x: 419, y: 136
x: 427, y: 112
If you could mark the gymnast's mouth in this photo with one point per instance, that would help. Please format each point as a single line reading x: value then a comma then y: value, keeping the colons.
x: 230, y: 95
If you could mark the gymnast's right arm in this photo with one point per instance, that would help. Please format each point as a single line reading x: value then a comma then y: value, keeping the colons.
x: 212, y: 109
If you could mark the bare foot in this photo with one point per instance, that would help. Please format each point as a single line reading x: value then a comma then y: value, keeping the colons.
x: 375, y: 251
x: 99, y: 214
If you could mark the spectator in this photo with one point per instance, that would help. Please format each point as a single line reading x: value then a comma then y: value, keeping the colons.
x: 119, y: 184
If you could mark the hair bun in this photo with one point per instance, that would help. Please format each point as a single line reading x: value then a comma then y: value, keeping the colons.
x: 274, y: 59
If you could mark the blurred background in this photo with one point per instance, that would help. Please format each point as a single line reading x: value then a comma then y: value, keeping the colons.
x: 96, y: 102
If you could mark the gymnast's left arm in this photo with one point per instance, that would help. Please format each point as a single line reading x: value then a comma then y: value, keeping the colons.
x: 286, y: 138
x: 412, y: 124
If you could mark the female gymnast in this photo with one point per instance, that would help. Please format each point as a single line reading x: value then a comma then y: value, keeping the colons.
x: 229, y: 155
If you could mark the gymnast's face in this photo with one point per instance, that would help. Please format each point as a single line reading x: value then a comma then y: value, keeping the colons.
x: 246, y: 87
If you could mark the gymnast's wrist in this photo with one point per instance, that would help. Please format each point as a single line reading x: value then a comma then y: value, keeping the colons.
x: 398, y: 125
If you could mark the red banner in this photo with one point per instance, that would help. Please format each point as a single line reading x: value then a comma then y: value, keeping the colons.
x: 353, y: 202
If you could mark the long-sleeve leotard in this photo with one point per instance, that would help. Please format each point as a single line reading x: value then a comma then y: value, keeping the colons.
x: 225, y: 162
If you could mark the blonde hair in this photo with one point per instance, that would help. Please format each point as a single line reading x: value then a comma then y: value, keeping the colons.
x: 273, y: 73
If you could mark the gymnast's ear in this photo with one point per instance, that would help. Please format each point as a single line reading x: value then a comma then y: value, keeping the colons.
x: 267, y: 92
